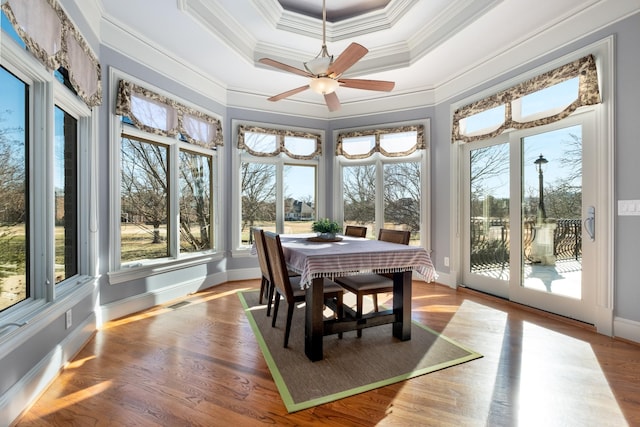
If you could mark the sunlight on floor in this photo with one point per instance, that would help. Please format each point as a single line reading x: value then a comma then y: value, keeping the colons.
x: 73, y: 398
x: 550, y: 390
x: 540, y: 377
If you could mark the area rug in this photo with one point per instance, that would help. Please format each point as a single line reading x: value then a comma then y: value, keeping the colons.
x: 351, y: 365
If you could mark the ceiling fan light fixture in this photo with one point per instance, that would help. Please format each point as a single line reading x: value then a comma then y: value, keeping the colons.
x: 319, y: 65
x: 323, y: 85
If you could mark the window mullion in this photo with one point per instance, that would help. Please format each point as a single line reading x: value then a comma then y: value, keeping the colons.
x: 173, y: 220
x: 41, y: 236
x: 379, y: 194
x: 280, y: 197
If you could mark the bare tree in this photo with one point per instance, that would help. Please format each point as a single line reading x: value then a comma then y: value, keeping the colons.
x: 488, y: 166
x: 572, y: 158
x: 144, y: 183
x: 12, y: 172
x: 360, y: 194
x: 195, y: 210
x: 12, y: 199
x: 402, y: 194
x: 258, y: 193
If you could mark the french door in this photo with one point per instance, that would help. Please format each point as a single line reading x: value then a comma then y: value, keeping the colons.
x: 529, y: 204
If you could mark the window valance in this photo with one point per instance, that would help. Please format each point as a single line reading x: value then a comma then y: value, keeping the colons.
x: 51, y: 37
x: 265, y: 142
x: 161, y: 115
x: 588, y: 94
x: 390, y: 142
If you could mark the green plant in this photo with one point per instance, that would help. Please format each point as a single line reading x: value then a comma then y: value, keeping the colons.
x: 325, y: 225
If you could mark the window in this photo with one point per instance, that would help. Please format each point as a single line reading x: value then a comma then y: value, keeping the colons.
x: 44, y: 174
x: 167, y: 172
x: 143, y: 200
x: 278, y: 180
x: 196, y: 201
x: 383, y: 181
x: 65, y: 166
x: 14, y: 235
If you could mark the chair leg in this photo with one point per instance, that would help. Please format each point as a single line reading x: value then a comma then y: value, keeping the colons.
x: 359, y: 301
x: 276, y: 304
x: 263, y: 286
x: 375, y: 302
x: 287, y: 328
x: 339, y: 310
x: 270, y: 296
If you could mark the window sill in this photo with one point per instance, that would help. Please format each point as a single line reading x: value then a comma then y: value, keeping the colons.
x: 136, y: 271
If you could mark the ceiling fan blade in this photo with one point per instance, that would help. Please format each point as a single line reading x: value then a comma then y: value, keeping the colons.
x: 380, y: 85
x: 352, y: 54
x: 332, y: 101
x: 284, y: 67
x: 288, y: 93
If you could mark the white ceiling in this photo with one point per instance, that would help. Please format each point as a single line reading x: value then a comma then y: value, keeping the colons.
x: 425, y: 46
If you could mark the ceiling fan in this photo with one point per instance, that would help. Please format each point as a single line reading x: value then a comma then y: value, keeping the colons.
x: 325, y: 74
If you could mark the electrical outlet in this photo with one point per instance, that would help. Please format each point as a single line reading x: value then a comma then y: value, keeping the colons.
x: 446, y: 261
x: 68, y: 319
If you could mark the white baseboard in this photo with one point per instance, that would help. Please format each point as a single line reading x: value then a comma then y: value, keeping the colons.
x: 627, y: 329
x: 26, y: 391
x: 243, y: 274
x: 445, y: 279
x: 150, y: 299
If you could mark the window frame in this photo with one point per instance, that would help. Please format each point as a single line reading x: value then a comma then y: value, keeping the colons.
x: 46, y: 92
x: 379, y: 160
x: 124, y: 272
x: 281, y: 160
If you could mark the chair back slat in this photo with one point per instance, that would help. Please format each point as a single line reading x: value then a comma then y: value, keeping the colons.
x: 394, y: 236
x: 355, y: 231
x: 279, y: 272
x: 258, y: 238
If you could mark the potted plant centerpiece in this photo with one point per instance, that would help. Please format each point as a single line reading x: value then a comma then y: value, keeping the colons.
x: 326, y: 228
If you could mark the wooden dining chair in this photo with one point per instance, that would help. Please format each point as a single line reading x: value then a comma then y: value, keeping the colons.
x: 265, y: 283
x: 373, y: 284
x: 266, y: 288
x: 355, y: 231
x: 289, y: 287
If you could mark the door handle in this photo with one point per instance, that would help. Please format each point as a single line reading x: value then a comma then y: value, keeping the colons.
x: 590, y: 222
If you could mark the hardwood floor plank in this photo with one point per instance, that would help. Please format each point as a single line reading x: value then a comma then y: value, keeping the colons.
x: 200, y: 364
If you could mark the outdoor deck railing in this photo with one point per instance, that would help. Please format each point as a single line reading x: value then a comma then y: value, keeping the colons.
x: 490, y: 242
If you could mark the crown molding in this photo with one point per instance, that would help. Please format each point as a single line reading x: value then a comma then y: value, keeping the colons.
x: 318, y: 110
x: 137, y: 48
x: 218, y: 21
x: 281, y: 19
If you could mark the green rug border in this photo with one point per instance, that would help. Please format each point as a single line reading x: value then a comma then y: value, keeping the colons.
x: 284, y: 391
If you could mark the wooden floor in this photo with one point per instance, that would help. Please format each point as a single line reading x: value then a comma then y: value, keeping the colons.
x: 200, y: 365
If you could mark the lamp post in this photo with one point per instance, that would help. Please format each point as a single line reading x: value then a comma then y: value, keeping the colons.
x: 542, y: 214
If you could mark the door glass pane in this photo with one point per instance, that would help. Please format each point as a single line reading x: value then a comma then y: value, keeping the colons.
x: 144, y: 200
x: 195, y: 202
x: 258, y: 182
x: 552, y: 211
x: 402, y: 198
x: 66, y: 200
x: 489, y: 211
x: 299, y: 198
x: 359, y: 195
x: 14, y: 286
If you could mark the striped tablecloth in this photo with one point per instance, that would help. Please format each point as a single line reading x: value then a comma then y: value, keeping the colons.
x: 352, y: 256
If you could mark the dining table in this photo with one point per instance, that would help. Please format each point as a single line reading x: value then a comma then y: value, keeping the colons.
x: 314, y: 258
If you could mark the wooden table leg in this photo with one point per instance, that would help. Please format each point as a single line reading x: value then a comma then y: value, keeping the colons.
x: 402, y: 305
x: 314, y: 322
